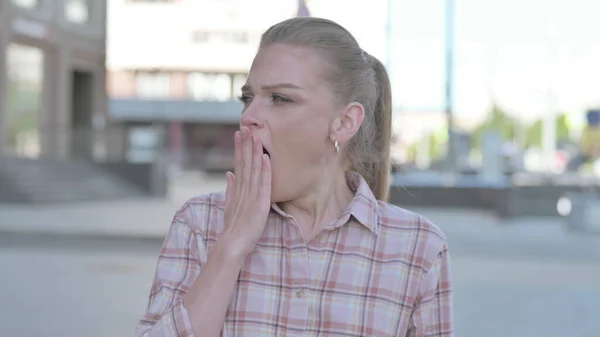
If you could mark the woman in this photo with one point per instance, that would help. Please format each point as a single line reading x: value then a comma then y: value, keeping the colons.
x: 302, y: 242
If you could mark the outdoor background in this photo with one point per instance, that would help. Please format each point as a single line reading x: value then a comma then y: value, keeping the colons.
x: 114, y: 113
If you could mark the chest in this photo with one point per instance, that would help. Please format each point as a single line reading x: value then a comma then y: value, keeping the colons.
x: 334, y: 285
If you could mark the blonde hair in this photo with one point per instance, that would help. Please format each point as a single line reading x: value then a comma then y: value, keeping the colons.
x: 355, y: 76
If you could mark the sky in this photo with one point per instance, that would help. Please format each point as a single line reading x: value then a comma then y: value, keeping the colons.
x: 529, y: 56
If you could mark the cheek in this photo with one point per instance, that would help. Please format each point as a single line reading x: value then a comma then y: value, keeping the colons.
x: 301, y: 144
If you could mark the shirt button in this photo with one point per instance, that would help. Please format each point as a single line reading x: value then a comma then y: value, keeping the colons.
x: 299, y: 293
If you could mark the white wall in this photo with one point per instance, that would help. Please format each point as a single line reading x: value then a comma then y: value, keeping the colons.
x: 158, y: 35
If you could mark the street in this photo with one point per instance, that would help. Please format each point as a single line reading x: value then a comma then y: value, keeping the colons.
x: 73, y: 291
x: 85, y: 269
x: 73, y: 287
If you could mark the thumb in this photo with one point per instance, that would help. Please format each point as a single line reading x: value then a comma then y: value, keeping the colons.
x: 230, y: 185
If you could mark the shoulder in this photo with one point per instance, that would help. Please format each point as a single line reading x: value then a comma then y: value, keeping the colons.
x: 414, y: 234
x: 203, y: 213
x: 393, y: 218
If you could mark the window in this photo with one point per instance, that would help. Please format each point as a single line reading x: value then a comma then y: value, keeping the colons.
x: 77, y: 11
x: 27, y: 4
x: 153, y: 85
x: 236, y: 37
x: 143, y: 145
x: 210, y: 87
x: 25, y: 82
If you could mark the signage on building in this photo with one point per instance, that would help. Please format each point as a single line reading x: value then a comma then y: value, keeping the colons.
x: 30, y: 28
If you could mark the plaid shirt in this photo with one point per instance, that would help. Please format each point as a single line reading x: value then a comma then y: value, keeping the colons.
x: 377, y: 271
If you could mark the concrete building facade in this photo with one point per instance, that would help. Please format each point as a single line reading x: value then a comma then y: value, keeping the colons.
x: 175, y: 71
x: 174, y: 85
x: 52, y: 78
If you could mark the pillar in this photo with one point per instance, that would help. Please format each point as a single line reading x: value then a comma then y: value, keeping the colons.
x: 57, y: 96
x: 4, y: 38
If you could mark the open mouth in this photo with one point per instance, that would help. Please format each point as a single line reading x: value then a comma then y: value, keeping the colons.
x: 266, y: 152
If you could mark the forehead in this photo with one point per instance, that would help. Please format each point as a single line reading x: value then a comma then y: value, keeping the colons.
x: 281, y: 63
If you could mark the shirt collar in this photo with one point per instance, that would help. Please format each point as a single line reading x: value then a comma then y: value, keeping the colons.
x: 364, y: 207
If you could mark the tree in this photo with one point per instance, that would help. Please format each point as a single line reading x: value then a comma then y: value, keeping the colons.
x: 535, y: 131
x: 563, y: 133
x: 436, y: 142
x: 498, y: 120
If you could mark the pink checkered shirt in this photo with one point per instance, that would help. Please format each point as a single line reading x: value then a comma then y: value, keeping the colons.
x: 378, y: 271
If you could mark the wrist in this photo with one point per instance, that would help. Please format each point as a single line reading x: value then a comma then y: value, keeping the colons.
x: 230, y: 250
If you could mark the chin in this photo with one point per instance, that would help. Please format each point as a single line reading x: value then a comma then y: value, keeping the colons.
x: 290, y: 190
x: 276, y: 197
x: 277, y: 193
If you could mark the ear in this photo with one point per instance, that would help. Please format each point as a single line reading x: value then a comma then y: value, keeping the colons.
x: 347, y: 123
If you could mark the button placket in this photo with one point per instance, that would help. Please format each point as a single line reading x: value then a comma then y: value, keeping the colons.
x: 300, y: 275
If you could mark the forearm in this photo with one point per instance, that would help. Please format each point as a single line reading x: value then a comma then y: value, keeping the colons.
x: 209, y: 296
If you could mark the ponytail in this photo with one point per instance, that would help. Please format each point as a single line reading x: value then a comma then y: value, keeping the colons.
x: 380, y: 170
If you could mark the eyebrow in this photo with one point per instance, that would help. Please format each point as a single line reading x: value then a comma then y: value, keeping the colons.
x: 246, y: 87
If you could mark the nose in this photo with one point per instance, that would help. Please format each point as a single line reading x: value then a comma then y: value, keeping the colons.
x: 251, y: 117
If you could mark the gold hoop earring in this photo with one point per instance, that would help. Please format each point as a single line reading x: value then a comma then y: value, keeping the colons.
x: 336, y: 145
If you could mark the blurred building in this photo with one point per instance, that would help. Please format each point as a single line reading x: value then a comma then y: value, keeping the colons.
x: 52, y: 77
x: 174, y: 71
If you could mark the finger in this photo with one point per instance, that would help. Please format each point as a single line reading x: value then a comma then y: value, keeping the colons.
x: 265, y: 180
x: 230, y: 190
x: 246, y: 159
x: 238, y: 157
x: 257, y: 153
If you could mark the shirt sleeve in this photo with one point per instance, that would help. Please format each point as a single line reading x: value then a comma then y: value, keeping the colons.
x: 177, y: 268
x: 433, y: 314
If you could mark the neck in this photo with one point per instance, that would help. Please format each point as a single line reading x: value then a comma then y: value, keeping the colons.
x: 322, y: 204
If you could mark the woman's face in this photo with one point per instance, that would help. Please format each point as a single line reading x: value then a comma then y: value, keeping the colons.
x: 290, y: 107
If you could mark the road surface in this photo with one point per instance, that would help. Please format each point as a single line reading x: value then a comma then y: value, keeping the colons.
x: 75, y: 287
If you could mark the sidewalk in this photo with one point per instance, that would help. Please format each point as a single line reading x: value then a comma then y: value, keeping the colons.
x: 140, y: 218
x: 150, y: 219
x: 144, y: 218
